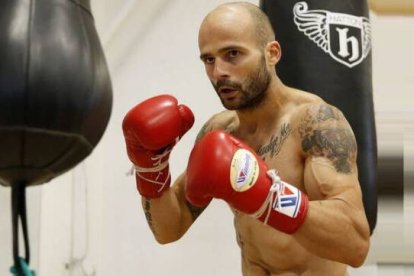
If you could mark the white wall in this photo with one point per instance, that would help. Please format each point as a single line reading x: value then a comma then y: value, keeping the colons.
x: 393, y: 79
x: 151, y: 48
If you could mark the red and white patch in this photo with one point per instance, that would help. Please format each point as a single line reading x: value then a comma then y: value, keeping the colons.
x: 288, y: 200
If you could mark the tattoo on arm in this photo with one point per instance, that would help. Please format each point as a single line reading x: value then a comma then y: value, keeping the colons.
x: 147, y: 207
x: 325, y: 132
x: 194, y: 210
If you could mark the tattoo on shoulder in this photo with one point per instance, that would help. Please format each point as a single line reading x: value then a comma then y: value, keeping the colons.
x: 147, y: 207
x: 276, y: 142
x: 203, y: 131
x: 325, y: 132
x: 194, y: 210
x: 210, y: 126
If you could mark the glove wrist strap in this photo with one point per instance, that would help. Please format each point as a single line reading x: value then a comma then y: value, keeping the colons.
x: 271, y: 197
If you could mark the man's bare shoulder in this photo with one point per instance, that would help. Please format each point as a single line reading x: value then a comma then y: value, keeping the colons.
x: 303, y: 98
x: 225, y: 120
x: 324, y: 132
x: 310, y: 107
x: 318, y: 112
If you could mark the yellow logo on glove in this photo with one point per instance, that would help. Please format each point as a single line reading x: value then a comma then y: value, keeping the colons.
x: 244, y: 170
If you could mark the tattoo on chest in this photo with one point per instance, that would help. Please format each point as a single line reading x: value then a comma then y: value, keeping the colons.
x: 324, y: 133
x: 275, y: 143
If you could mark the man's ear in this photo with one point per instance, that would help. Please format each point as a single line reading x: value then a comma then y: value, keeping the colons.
x: 273, y: 52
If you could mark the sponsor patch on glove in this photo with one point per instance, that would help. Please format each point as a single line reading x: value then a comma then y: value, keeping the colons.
x: 288, y: 200
x: 244, y: 170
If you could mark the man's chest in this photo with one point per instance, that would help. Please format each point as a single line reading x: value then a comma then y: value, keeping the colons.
x: 281, y: 151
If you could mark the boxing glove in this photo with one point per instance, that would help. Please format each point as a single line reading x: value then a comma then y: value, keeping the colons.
x: 151, y: 129
x: 221, y: 166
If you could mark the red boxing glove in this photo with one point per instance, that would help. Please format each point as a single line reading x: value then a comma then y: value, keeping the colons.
x: 151, y: 129
x: 220, y: 166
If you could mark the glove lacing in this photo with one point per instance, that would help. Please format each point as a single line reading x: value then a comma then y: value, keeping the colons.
x: 272, y: 196
x: 158, y: 166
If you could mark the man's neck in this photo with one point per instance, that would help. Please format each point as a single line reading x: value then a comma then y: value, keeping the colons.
x: 267, y: 112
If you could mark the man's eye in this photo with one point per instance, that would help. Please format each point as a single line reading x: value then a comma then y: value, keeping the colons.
x: 209, y: 60
x: 233, y: 53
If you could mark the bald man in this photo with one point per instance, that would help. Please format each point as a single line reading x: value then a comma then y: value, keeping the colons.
x: 305, y: 219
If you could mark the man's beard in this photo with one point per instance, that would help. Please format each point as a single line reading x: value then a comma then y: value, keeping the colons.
x: 252, y: 89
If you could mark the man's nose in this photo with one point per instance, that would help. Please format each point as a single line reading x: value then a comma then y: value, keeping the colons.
x: 220, y: 70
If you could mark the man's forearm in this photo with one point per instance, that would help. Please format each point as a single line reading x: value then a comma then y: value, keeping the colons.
x: 341, y: 236
x: 164, y: 217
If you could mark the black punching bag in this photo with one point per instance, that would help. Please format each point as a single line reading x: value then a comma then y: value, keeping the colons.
x: 55, y: 93
x: 326, y: 50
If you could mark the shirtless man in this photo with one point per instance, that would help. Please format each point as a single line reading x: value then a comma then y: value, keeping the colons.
x: 307, y: 141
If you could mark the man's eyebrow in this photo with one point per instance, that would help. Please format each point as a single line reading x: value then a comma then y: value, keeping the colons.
x: 230, y: 47
x: 204, y: 56
x: 224, y: 49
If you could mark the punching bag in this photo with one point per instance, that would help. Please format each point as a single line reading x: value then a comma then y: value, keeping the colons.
x: 55, y: 95
x: 326, y: 50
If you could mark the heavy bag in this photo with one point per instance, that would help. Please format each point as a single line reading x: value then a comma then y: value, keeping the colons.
x: 326, y: 50
x: 55, y: 90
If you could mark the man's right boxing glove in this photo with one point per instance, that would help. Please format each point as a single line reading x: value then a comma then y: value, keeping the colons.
x: 221, y: 166
x: 151, y: 129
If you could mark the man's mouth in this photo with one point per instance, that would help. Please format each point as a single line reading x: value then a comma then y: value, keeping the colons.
x: 228, y: 92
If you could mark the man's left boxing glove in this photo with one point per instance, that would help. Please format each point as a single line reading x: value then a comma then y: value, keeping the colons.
x: 221, y: 166
x: 151, y: 129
